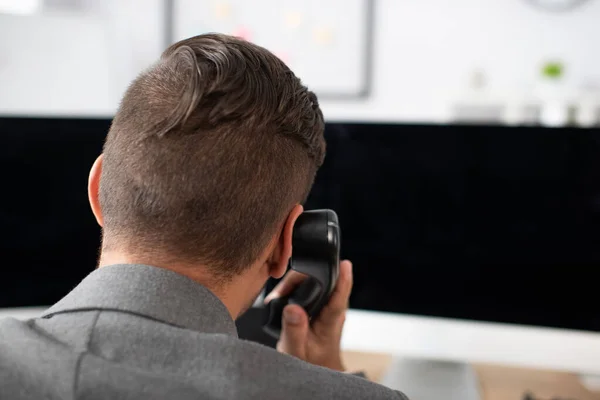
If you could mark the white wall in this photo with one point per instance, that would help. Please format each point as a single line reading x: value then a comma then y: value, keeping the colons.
x: 42, y: 72
x: 425, y: 51
x: 76, y: 61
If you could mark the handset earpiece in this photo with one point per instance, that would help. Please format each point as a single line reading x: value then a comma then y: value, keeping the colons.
x: 316, y: 253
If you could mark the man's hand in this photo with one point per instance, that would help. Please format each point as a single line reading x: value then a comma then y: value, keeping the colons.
x: 318, y: 342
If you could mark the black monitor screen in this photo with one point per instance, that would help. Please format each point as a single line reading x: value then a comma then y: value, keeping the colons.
x: 482, y: 223
x: 49, y: 239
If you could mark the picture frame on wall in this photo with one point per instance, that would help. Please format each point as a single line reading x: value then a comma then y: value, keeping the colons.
x: 330, y: 50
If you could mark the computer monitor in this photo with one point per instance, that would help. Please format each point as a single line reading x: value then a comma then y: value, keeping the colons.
x: 487, y: 223
x: 49, y: 239
x: 448, y: 227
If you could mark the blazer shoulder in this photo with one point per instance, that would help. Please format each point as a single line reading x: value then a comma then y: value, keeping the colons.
x: 306, y: 380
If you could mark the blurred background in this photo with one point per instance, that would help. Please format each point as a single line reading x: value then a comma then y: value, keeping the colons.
x: 510, y: 62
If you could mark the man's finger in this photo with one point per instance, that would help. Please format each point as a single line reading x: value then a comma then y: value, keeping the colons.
x: 289, y: 282
x: 333, y: 313
x: 294, y: 332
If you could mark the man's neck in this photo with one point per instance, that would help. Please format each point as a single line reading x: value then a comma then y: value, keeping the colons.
x: 199, y: 273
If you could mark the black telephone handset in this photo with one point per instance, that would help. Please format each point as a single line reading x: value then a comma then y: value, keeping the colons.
x: 316, y: 253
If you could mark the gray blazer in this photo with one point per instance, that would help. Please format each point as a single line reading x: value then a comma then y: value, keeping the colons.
x: 140, y: 332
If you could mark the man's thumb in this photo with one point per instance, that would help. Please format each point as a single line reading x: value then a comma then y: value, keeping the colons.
x: 294, y: 332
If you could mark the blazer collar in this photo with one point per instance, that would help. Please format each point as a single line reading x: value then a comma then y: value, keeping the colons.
x: 151, y: 292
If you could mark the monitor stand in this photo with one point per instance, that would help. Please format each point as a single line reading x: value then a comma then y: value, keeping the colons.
x: 432, y: 380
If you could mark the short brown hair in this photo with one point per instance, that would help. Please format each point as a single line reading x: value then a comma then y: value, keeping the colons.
x: 208, y: 152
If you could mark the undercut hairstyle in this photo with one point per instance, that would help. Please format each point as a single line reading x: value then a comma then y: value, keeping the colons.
x: 208, y: 152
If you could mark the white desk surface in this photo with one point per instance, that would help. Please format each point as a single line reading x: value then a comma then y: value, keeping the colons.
x: 454, y: 340
x: 468, y: 341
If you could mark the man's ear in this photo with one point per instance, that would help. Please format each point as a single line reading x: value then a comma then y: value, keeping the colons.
x: 283, y: 249
x: 94, y: 189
